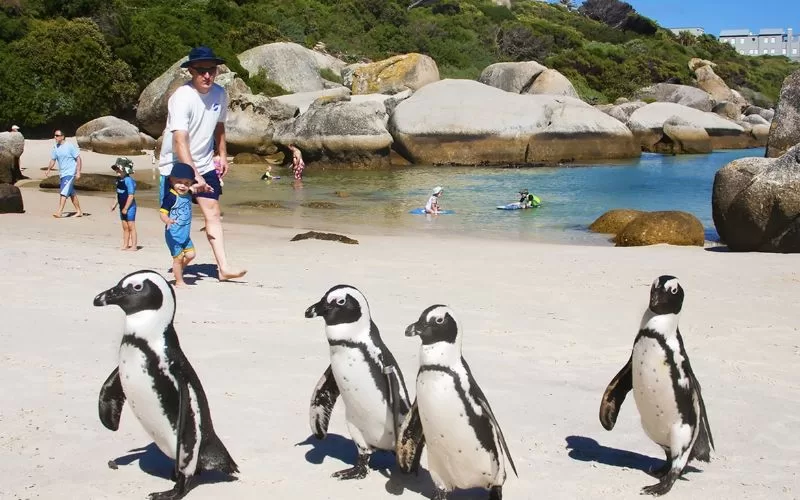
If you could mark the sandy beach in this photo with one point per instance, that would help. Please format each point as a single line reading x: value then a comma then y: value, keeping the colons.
x: 546, y: 328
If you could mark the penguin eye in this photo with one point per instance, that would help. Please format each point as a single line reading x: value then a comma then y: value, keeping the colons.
x: 673, y: 290
x: 138, y: 287
x: 439, y: 321
x: 340, y: 302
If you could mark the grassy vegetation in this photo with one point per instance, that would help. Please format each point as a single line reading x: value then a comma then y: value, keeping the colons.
x: 66, y: 62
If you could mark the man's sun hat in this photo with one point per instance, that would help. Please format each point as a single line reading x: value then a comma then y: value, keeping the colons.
x: 14, y: 128
x: 202, y: 54
x: 437, y: 190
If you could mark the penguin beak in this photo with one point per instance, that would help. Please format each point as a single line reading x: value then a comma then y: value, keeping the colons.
x: 314, y: 310
x: 412, y: 330
x: 111, y: 296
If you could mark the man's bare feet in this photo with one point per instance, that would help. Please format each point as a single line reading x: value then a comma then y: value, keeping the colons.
x: 223, y: 276
x: 124, y: 248
x: 180, y: 284
x: 79, y: 214
x: 58, y: 215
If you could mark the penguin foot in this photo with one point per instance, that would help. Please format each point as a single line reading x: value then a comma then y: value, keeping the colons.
x: 177, y: 492
x: 496, y: 493
x: 359, y: 471
x: 662, y: 487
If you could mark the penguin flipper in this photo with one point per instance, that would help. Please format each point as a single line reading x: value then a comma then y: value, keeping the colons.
x: 410, y: 441
x: 488, y: 411
x: 111, y: 401
x: 704, y: 443
x: 322, y: 402
x: 615, y: 394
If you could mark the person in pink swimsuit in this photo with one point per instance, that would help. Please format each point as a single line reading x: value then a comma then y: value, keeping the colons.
x: 297, y: 162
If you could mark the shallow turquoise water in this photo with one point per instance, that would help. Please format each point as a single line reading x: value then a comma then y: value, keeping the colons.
x: 572, y: 197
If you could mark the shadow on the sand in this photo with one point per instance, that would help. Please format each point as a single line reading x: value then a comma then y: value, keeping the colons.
x: 153, y: 462
x: 343, y: 449
x: 588, y: 450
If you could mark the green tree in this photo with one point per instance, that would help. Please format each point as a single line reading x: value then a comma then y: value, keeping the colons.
x: 62, y: 72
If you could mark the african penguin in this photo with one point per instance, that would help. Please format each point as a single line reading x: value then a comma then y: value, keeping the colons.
x: 365, y: 374
x: 466, y: 448
x: 665, y: 388
x: 160, y: 385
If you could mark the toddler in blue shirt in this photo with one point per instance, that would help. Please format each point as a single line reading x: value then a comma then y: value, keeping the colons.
x: 176, y: 213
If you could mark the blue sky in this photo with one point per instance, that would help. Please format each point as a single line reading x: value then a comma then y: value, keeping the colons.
x: 717, y: 15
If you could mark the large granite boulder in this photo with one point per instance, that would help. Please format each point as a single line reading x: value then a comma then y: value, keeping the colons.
x: 727, y: 109
x: 111, y: 135
x: 679, y: 94
x: 767, y: 114
x: 302, y: 100
x: 527, y: 77
x: 623, y: 110
x: 614, y: 221
x: 7, y: 175
x: 647, y: 125
x: 684, y: 138
x: 670, y: 227
x: 250, y: 123
x: 10, y: 200
x: 469, y: 123
x: 12, y: 145
x: 756, y: 203
x: 292, y: 66
x: 551, y: 82
x: 335, y: 132
x: 92, y: 182
x: 711, y: 82
x: 395, y: 74
x: 755, y: 120
x: 516, y: 77
x: 785, y: 131
x: 151, y: 111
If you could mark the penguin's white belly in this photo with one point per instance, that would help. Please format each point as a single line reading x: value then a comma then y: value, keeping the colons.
x: 653, y: 391
x: 365, y: 407
x: 143, y: 399
x: 454, y: 453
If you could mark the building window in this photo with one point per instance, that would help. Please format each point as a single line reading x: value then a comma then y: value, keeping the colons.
x: 772, y: 40
x: 794, y: 52
x: 771, y: 51
x: 741, y: 41
x: 765, y: 51
x: 783, y: 51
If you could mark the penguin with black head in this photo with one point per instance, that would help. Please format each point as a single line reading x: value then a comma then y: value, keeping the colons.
x: 363, y: 372
x: 665, y: 388
x: 161, y: 387
x: 451, y: 415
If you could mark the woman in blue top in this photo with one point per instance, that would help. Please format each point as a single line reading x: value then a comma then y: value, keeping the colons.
x: 126, y: 189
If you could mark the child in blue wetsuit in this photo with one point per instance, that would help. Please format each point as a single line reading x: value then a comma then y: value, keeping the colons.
x: 126, y: 189
x: 176, y: 213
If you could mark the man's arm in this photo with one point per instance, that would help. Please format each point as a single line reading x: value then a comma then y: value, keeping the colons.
x: 180, y: 147
x: 78, y: 166
x: 222, y: 147
x: 50, y: 167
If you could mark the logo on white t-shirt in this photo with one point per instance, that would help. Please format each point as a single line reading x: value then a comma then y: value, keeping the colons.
x: 215, y: 107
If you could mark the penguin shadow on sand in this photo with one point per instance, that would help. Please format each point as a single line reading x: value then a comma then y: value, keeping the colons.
x: 588, y: 450
x: 383, y: 462
x: 152, y: 461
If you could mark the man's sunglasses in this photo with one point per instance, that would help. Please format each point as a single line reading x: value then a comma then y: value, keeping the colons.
x: 202, y: 70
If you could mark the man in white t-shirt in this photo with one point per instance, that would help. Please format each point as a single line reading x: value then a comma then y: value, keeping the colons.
x: 195, y: 129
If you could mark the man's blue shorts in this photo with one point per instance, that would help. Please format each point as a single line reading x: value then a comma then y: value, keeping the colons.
x: 130, y: 216
x: 212, y: 179
x: 68, y: 185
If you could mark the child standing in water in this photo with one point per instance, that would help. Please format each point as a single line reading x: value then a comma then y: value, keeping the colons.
x: 126, y: 189
x: 176, y: 213
x: 297, y: 162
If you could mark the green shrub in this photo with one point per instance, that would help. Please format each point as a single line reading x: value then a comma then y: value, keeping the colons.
x: 260, y: 84
x: 330, y: 75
